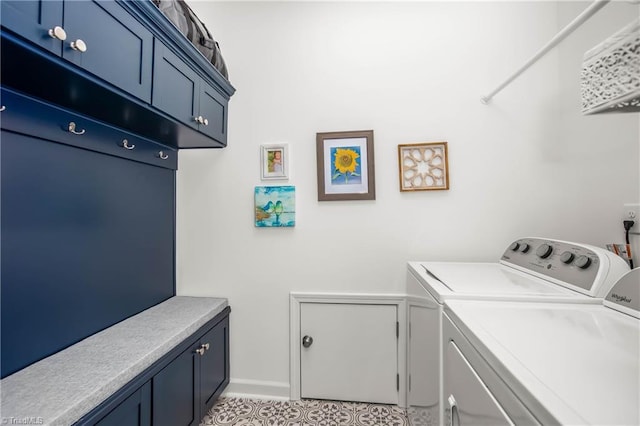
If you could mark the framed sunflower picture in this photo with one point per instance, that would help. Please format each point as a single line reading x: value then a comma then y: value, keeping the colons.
x: 345, y: 166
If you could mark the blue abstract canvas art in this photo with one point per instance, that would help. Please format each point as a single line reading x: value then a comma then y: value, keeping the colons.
x: 275, y: 206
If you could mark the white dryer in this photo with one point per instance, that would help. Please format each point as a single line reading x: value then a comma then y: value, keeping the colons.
x: 530, y: 269
x: 543, y: 363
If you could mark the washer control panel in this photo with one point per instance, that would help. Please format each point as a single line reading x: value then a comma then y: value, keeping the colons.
x: 570, y: 263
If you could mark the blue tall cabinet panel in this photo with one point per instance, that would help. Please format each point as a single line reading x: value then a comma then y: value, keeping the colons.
x: 87, y: 240
x: 120, y: 52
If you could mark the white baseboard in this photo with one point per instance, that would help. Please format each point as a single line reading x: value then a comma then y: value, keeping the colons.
x: 257, y: 389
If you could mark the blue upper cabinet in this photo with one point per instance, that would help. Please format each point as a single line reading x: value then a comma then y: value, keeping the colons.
x: 180, y: 98
x: 213, y: 113
x: 105, y: 40
x: 121, y: 62
x: 38, y: 21
x: 99, y: 37
x: 189, y: 98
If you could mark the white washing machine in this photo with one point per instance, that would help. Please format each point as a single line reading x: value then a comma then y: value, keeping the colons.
x: 542, y: 363
x: 530, y: 269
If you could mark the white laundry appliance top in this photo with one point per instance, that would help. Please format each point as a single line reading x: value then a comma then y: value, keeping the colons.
x: 576, y: 364
x: 529, y: 269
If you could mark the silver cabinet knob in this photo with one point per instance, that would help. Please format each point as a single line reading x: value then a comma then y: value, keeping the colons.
x: 79, y: 45
x: 2, y: 108
x: 199, y: 119
x: 127, y: 145
x: 205, y: 346
x: 72, y: 129
x: 205, y: 122
x: 307, y: 341
x: 162, y: 155
x: 58, y: 33
x: 200, y: 351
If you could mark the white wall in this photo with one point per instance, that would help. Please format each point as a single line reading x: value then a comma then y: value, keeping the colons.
x: 528, y: 164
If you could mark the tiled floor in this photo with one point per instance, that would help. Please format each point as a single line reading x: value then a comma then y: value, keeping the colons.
x: 307, y: 412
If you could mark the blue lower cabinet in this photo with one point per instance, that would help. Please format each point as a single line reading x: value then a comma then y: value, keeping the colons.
x: 133, y: 411
x: 188, y: 387
x: 175, y: 391
x: 214, y: 365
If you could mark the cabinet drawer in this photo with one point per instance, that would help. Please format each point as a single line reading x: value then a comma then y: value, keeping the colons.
x: 29, y: 116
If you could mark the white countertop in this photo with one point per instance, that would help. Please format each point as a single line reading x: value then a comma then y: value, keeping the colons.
x: 63, y: 387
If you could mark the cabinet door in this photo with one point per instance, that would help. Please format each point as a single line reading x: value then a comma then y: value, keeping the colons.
x: 214, y: 365
x: 353, y: 356
x: 119, y: 48
x: 133, y: 411
x: 175, y: 391
x: 176, y: 87
x: 33, y: 19
x: 213, y: 108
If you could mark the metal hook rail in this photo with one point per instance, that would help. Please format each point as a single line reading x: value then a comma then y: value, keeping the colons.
x: 579, y: 20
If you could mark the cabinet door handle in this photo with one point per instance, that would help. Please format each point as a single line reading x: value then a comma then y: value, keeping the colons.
x: 199, y: 119
x: 162, y: 155
x: 206, y: 346
x: 200, y: 351
x: 307, y: 341
x: 205, y: 122
x: 72, y: 129
x: 126, y: 145
x: 79, y: 45
x: 2, y: 108
x: 58, y: 33
x: 453, y: 405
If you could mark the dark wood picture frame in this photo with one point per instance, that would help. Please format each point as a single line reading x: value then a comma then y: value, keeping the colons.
x: 357, y: 163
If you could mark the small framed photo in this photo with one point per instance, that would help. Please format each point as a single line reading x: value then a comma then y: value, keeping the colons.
x: 345, y: 166
x: 423, y: 166
x: 275, y: 161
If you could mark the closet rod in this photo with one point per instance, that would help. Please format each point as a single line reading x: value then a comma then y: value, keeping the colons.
x: 579, y: 20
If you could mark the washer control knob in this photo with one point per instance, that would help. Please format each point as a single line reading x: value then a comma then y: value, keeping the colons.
x: 514, y: 246
x: 524, y: 247
x: 544, y: 251
x: 583, y: 262
x: 567, y: 257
